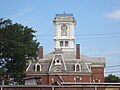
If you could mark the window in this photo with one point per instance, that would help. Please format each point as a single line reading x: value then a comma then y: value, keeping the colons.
x: 96, y: 80
x: 37, y: 67
x: 77, y: 67
x: 58, y: 62
x: 77, y: 79
x: 61, y: 43
x: 66, y: 43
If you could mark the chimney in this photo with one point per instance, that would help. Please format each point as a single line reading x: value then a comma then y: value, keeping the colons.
x: 77, y: 51
x: 40, y: 52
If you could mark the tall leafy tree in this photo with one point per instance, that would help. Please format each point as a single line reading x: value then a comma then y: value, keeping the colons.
x: 17, y: 46
x: 112, y: 79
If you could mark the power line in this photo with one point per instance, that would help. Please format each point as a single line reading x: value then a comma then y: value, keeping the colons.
x: 117, y: 33
x: 117, y: 54
x: 112, y: 66
x: 84, y: 38
x: 98, y: 38
x: 112, y: 72
x: 99, y: 34
x: 79, y: 36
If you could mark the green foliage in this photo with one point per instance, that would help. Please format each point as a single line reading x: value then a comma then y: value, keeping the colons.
x: 112, y: 79
x: 17, y: 46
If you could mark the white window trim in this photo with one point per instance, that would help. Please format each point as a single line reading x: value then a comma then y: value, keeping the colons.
x: 77, y: 64
x: 36, y: 66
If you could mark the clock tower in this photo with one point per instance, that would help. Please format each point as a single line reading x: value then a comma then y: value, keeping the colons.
x: 64, y: 25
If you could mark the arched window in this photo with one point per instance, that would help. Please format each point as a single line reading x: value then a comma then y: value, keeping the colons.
x: 77, y: 67
x: 37, y: 67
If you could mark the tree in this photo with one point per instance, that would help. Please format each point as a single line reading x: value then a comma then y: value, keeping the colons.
x: 17, y: 46
x: 112, y: 79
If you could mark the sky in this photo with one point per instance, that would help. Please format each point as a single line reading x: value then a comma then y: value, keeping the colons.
x: 97, y: 24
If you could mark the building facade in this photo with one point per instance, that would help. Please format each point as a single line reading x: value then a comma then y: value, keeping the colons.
x: 66, y: 63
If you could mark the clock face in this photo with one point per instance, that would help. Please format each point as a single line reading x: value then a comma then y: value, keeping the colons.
x: 64, y: 27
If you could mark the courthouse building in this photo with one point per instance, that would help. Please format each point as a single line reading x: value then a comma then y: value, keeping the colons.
x: 65, y: 64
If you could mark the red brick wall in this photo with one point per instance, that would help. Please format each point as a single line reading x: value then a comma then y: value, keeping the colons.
x: 45, y: 79
x: 86, y: 78
x: 98, y: 73
x: 69, y: 78
x: 55, y: 79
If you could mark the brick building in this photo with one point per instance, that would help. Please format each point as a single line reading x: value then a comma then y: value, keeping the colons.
x: 65, y: 63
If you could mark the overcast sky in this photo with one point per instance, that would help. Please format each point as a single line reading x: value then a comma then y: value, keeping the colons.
x: 97, y: 24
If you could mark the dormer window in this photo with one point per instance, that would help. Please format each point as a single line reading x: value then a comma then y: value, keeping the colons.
x: 77, y: 67
x: 37, y: 67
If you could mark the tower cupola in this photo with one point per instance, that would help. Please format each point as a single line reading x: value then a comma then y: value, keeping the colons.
x: 64, y: 25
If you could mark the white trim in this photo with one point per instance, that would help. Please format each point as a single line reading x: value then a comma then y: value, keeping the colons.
x: 61, y: 78
x: 52, y: 63
x: 88, y: 83
x: 74, y: 79
x: 64, y: 62
x: 64, y: 85
x: 28, y: 66
x: 37, y: 65
x: 88, y: 67
x: 61, y: 61
x: 55, y: 69
x: 77, y: 64
x: 97, y: 65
